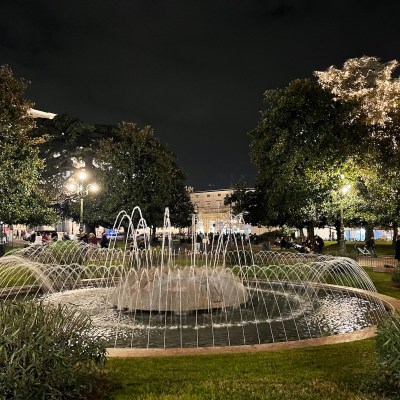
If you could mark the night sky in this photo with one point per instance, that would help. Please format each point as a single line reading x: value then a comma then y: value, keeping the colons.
x: 195, y: 70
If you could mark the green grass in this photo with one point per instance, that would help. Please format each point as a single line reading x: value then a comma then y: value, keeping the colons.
x: 336, y: 372
x: 346, y: 371
x: 383, y: 283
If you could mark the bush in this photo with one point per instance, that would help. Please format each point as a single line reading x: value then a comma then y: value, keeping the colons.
x: 388, y: 348
x: 47, y: 352
x: 270, y: 236
x: 396, y: 277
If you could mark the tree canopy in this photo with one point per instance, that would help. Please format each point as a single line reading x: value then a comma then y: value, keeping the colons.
x: 312, y: 133
x: 128, y: 163
x: 135, y: 169
x: 22, y: 199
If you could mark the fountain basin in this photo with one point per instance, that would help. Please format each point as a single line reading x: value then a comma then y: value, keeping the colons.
x: 179, y: 290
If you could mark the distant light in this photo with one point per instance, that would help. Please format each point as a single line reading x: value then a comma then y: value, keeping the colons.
x: 82, y: 175
x: 93, y: 187
x: 71, y: 186
x: 345, y: 189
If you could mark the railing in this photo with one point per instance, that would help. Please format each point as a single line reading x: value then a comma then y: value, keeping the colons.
x: 381, y: 263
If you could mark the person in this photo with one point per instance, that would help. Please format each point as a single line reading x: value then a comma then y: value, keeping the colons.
x: 92, y: 239
x: 32, y: 237
x: 319, y: 244
x: 38, y: 239
x: 199, y: 239
x: 397, y: 249
x: 65, y: 236
x: 104, y: 241
x: 284, y: 243
x: 370, y: 246
x: 54, y: 236
x: 83, y: 237
x: 308, y: 247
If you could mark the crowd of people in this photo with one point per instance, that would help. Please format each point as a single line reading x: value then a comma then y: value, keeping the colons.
x: 306, y: 246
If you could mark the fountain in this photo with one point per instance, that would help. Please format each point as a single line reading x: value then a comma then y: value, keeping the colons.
x: 159, y: 297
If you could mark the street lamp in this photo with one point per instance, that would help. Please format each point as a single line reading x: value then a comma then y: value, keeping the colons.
x: 81, y: 187
x: 342, y: 241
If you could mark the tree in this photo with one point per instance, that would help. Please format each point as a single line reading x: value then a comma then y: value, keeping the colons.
x: 136, y: 170
x: 21, y: 198
x: 369, y: 84
x: 245, y: 201
x: 299, y: 147
x: 69, y: 144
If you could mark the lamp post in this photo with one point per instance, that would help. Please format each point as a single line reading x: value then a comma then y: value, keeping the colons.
x: 342, y: 241
x: 82, y: 188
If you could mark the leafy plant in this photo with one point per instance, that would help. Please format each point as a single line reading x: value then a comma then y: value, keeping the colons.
x: 48, y: 352
x: 388, y: 348
x: 396, y: 277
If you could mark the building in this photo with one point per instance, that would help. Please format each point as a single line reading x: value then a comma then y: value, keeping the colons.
x: 210, y: 210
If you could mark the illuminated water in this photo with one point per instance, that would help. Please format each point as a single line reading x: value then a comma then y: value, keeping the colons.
x: 222, y: 297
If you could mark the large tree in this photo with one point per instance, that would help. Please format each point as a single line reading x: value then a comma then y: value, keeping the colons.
x: 299, y: 147
x: 369, y: 83
x: 136, y: 170
x: 21, y: 198
x: 69, y: 145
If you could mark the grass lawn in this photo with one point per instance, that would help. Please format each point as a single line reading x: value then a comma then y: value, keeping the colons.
x: 344, y: 371
x: 331, y: 372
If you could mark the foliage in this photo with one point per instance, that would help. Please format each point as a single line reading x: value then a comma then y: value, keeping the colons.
x: 311, y: 133
x: 245, y: 201
x: 388, y: 348
x: 47, y: 352
x: 129, y: 164
x: 21, y: 197
x: 69, y: 144
x: 396, y: 277
x: 368, y: 83
x: 136, y: 170
x: 299, y: 147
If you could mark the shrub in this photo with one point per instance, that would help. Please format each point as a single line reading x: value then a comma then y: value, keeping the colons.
x: 47, y: 352
x: 396, y: 277
x: 388, y: 348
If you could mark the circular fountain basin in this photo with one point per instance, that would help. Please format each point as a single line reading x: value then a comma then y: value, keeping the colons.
x: 255, y: 298
x: 274, y: 312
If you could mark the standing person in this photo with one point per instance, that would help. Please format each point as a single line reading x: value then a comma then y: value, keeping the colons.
x: 199, y: 239
x: 104, y: 241
x: 397, y: 249
x: 370, y: 246
x: 319, y: 244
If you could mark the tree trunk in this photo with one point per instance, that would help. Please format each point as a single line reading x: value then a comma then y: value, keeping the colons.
x: 338, y: 231
x: 90, y: 228
x: 369, y: 232
x: 310, y: 230
x: 395, y: 232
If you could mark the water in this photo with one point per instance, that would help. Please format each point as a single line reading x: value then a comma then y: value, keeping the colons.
x: 160, y: 297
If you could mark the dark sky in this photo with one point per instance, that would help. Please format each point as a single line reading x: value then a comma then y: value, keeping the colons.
x: 195, y: 70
